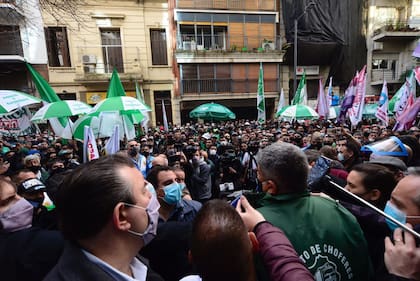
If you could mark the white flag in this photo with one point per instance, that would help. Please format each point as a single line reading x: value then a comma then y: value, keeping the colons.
x: 281, y: 103
x: 330, y: 93
x: 382, y: 111
x: 112, y: 146
x: 165, y: 119
x: 90, y: 149
x: 322, y: 107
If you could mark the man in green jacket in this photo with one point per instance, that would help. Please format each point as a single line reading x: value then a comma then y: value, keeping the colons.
x: 326, y: 236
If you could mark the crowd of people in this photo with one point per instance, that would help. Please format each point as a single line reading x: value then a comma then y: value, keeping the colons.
x: 233, y: 200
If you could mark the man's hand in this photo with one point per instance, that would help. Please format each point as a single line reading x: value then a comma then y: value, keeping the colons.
x: 402, y: 257
x: 249, y: 215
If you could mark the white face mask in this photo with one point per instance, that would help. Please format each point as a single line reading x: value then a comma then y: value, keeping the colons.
x: 17, y: 217
x: 212, y: 152
x: 152, y: 211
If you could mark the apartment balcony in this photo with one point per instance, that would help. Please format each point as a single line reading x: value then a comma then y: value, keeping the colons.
x: 395, y: 32
x: 96, y: 63
x: 242, y: 5
x: 223, y: 48
x: 10, y: 11
x: 378, y: 76
x: 232, y: 87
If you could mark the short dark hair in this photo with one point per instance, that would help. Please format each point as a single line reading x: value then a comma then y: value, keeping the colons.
x: 152, y: 175
x: 353, y: 147
x: 87, y: 196
x: 220, y: 246
x: 377, y: 177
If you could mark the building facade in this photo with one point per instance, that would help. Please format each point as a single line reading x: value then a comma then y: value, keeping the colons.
x: 129, y: 36
x: 392, y: 35
x: 218, y: 48
x: 21, y: 39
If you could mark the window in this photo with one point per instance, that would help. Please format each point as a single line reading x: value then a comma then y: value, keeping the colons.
x: 207, y: 37
x: 158, y: 43
x: 112, y: 50
x: 384, y: 64
x: 57, y: 47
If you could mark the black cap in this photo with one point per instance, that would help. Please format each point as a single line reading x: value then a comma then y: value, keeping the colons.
x: 31, y: 185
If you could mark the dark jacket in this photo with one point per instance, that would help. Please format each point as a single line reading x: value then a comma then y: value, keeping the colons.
x: 168, y: 251
x: 279, y: 256
x: 29, y: 254
x: 74, y: 265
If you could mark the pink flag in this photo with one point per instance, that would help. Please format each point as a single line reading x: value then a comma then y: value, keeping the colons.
x: 382, y: 111
x: 417, y: 73
x: 407, y: 119
x: 322, y: 107
x: 356, y: 111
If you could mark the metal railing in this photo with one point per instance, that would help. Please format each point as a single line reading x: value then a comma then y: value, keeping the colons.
x: 387, y: 74
x: 226, y: 42
x: 253, y: 5
x: 392, y: 25
x: 104, y: 58
x: 205, y: 86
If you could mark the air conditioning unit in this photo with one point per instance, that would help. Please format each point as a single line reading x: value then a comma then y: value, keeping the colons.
x: 89, y: 59
x: 268, y: 46
x: 377, y: 46
x: 89, y: 69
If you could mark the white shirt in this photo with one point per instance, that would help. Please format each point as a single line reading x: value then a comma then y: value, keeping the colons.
x: 191, y: 278
x: 138, y: 269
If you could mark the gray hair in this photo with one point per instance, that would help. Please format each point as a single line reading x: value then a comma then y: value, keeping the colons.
x: 286, y: 165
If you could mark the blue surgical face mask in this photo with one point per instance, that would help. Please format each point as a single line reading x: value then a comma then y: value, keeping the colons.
x: 393, y: 211
x: 173, y: 193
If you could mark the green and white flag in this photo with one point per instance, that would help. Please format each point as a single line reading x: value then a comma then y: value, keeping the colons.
x: 61, y: 126
x: 301, y: 96
x: 281, y: 103
x: 115, y: 87
x: 260, y: 97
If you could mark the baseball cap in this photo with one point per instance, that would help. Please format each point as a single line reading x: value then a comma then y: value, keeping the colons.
x: 31, y: 185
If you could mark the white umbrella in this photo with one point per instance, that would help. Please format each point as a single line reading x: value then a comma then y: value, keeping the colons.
x: 61, y: 109
x: 11, y: 99
x: 298, y: 112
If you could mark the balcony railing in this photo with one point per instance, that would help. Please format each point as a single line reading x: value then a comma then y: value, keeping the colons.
x: 218, y: 86
x: 378, y: 75
x: 250, y: 5
x: 103, y: 59
x: 228, y: 43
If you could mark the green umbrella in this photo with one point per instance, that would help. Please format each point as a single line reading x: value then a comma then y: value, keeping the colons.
x: 212, y: 111
x: 61, y: 109
x: 122, y: 104
x: 298, y: 112
x: 90, y: 121
x: 10, y: 100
